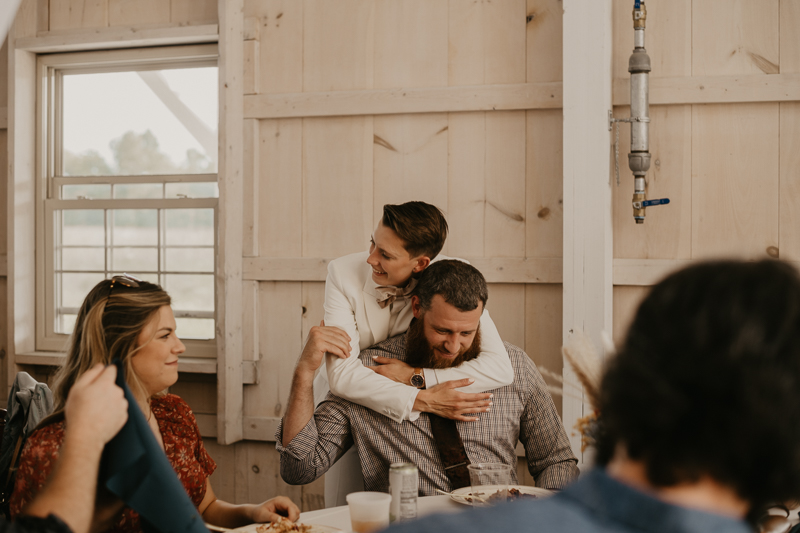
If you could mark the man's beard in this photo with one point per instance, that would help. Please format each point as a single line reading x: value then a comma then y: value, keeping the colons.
x: 420, y: 354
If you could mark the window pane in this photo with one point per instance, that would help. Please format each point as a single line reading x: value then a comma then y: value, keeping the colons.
x: 195, y: 328
x: 83, y: 259
x: 134, y: 259
x: 75, y: 287
x: 144, y: 122
x: 206, y: 189
x: 66, y: 323
x: 101, y: 191
x: 82, y: 227
x: 135, y: 226
x: 190, y: 292
x: 190, y: 259
x: 189, y: 226
x: 139, y: 190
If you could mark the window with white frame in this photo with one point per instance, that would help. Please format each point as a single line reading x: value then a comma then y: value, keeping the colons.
x: 127, y: 170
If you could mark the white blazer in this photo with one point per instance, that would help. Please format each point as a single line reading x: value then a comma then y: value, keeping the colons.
x: 351, y: 304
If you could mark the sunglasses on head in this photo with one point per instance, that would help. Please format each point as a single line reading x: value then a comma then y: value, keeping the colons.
x: 125, y: 280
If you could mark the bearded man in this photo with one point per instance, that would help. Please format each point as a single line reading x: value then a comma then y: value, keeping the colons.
x: 447, y: 306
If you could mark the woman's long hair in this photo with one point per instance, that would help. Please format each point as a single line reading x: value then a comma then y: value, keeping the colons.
x: 108, y: 328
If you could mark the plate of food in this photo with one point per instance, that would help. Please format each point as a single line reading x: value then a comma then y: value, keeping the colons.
x: 286, y: 526
x: 494, y: 494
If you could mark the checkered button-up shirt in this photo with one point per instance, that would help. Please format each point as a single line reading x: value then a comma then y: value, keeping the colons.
x: 521, y: 411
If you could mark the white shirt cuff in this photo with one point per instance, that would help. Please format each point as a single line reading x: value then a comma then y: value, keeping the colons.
x: 412, y: 414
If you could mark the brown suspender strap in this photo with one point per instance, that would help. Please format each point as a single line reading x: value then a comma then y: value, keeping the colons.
x: 451, y: 450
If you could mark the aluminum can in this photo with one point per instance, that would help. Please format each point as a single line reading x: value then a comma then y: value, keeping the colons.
x: 404, y: 486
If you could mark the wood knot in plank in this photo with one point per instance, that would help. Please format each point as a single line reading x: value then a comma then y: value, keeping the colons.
x: 510, y: 214
x: 381, y: 142
x: 544, y: 213
x: 766, y: 66
x: 773, y: 252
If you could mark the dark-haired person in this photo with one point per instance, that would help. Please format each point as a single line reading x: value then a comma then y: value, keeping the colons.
x: 366, y: 295
x: 447, y: 305
x: 699, y: 412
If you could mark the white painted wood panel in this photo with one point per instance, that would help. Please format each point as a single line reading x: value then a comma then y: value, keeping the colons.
x: 506, y: 306
x: 278, y: 217
x: 411, y: 47
x: 229, y: 329
x: 393, y: 101
x: 789, y: 37
x: 410, y: 160
x: 505, y: 184
x: 544, y: 184
x: 486, y: 39
x: 338, y: 43
x: 71, y: 14
x: 337, y: 185
x: 132, y: 12
x: 466, y: 196
x: 626, y: 302
x: 735, y: 37
x: 735, y: 180
x: 543, y: 27
x: 543, y: 318
x: 279, y: 345
x: 789, y: 221
x: 587, y: 192
x: 279, y: 30
x: 193, y: 12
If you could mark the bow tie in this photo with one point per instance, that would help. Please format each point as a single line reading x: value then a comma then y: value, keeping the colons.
x: 390, y: 294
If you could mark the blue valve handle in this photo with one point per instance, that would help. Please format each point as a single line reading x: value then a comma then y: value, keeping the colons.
x: 660, y: 201
x: 637, y: 4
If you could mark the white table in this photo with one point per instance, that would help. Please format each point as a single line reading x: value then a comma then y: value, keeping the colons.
x: 339, y: 517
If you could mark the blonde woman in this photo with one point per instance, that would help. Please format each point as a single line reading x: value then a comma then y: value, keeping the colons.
x: 131, y: 320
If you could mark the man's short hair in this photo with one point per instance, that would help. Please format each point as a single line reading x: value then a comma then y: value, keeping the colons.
x: 420, y: 226
x: 707, y: 382
x: 459, y: 283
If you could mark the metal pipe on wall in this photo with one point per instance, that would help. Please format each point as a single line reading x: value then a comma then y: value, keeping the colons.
x: 639, y: 156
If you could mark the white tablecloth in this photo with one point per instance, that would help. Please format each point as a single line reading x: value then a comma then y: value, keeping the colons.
x: 339, y: 517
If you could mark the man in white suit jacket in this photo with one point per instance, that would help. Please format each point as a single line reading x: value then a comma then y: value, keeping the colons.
x: 407, y: 239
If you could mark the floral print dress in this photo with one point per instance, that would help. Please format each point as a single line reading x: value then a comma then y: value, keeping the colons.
x: 182, y: 444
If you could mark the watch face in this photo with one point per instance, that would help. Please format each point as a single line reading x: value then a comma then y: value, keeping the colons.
x: 417, y: 380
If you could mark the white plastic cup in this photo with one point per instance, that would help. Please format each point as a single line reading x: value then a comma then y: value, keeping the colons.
x: 489, y: 483
x: 369, y: 511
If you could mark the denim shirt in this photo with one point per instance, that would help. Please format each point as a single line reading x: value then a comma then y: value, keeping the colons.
x: 594, y: 504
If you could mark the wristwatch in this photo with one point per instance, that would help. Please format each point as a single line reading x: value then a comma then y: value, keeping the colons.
x: 418, y: 379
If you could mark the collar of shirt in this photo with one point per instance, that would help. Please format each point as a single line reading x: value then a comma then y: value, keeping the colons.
x: 621, y: 503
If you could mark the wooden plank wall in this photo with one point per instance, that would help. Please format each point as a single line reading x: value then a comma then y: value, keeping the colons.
x: 318, y: 184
